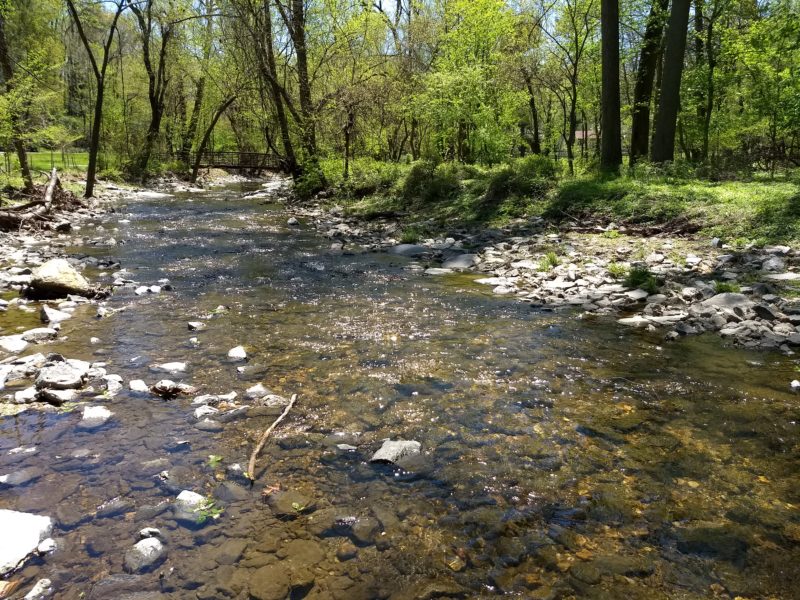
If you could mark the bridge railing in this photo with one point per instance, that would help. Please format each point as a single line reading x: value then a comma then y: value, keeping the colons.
x: 229, y: 160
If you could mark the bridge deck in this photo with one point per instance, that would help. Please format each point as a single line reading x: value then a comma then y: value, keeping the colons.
x: 235, y: 160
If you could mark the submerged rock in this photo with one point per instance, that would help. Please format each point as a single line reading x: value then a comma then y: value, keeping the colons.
x: 94, y: 416
x: 393, y: 450
x: 461, y: 262
x: 43, y: 589
x: 167, y: 388
x: 408, y: 250
x: 188, y: 505
x: 56, y: 279
x: 144, y: 555
x: 61, y: 376
x: 22, y: 534
x: 170, y: 367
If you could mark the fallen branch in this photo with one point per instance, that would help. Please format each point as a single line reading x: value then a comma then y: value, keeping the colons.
x: 251, y: 466
x: 51, y: 188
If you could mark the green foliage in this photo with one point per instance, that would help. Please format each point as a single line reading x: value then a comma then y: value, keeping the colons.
x: 721, y: 287
x: 208, y: 510
x: 410, y: 235
x: 643, y: 279
x: 214, y: 460
x: 310, y: 182
x: 549, y: 262
x: 617, y: 271
x: 426, y: 183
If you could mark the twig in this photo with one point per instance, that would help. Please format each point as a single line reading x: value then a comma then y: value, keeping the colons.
x: 251, y: 466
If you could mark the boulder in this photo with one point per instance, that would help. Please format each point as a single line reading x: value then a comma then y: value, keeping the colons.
x: 270, y: 583
x: 56, y: 278
x: 22, y: 534
x: 12, y: 344
x: 393, y: 450
x: 461, y: 262
x: 61, y: 376
x: 144, y: 555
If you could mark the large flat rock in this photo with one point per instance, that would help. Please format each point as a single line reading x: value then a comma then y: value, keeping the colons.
x: 21, y: 534
x: 56, y: 278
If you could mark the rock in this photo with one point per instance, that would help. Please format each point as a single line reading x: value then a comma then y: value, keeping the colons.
x: 170, y: 367
x: 237, y: 353
x: 196, y: 325
x: 257, y: 391
x: 166, y: 388
x: 795, y: 386
x: 209, y: 425
x: 39, y: 334
x: 26, y: 396
x: 56, y: 397
x: 188, y: 504
x: 461, y: 262
x: 270, y: 583
x: 392, y: 451
x: 290, y: 504
x: 438, y: 271
x: 139, y: 386
x: 204, y: 411
x: 22, y: 477
x: 230, y: 551
x: 22, y: 534
x: 765, y: 312
x: 53, y: 316
x: 61, y: 376
x: 42, y: 590
x: 729, y: 301
x: 774, y: 264
x: 364, y: 531
x: 783, y: 277
x: 13, y: 344
x: 346, y: 551
x: 637, y: 295
x: 408, y: 250
x: 94, y: 417
x: 148, y: 532
x: 291, y: 221
x: 56, y: 278
x: 144, y: 555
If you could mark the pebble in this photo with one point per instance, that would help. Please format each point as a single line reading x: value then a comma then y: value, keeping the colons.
x: 237, y: 353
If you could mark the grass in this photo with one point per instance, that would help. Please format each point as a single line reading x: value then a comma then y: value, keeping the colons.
x: 643, y: 279
x: 617, y: 271
x: 753, y: 211
x: 549, y: 262
x: 722, y: 287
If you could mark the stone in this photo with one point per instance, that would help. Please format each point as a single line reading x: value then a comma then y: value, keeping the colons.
x: 148, y: 532
x: 144, y: 555
x: 166, y: 388
x: 256, y: 391
x: 94, y: 417
x: 392, y: 451
x: 230, y: 552
x: 408, y: 250
x: 26, y: 396
x: 56, y: 397
x: 783, y: 277
x: 41, y: 590
x: 170, y: 367
x: 291, y: 221
x: 237, y: 353
x: 53, y: 316
x: 270, y: 583
x: 56, y: 278
x: 13, y: 344
x: 729, y: 300
x: 139, y: 386
x: 22, y: 534
x: 204, y: 411
x: 209, y: 425
x: 774, y: 264
x: 290, y: 504
x: 795, y: 386
x: 765, y: 312
x: 187, y: 506
x: 22, y: 477
x: 39, y: 334
x: 60, y: 376
x: 636, y: 295
x: 438, y: 271
x: 461, y: 262
x: 196, y: 325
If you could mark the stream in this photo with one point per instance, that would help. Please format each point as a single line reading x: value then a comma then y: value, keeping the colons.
x: 562, y: 457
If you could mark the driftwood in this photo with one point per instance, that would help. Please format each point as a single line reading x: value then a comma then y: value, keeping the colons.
x: 39, y: 211
x: 251, y: 466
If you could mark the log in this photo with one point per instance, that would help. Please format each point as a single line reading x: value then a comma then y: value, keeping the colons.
x: 15, y: 217
x: 50, y: 190
x: 251, y: 466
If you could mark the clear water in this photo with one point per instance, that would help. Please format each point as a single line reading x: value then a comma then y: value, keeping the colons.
x: 562, y: 457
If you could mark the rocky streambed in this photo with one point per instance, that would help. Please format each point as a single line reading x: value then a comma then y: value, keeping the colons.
x: 448, y: 440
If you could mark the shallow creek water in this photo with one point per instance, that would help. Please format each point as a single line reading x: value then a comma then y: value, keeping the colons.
x: 561, y: 457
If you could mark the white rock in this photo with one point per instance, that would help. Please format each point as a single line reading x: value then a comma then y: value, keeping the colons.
x: 795, y: 385
x: 43, y: 589
x: 53, y: 316
x: 22, y: 534
x: 204, y: 411
x: 94, y: 416
x: 256, y: 391
x: 13, y: 344
x: 170, y: 367
x: 237, y: 353
x: 144, y: 554
x: 139, y: 386
x: 39, y: 334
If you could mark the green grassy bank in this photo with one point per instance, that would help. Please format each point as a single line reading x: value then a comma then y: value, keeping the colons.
x: 432, y: 198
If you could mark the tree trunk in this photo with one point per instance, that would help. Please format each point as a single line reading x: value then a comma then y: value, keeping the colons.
x: 664, y: 137
x: 611, y: 142
x: 16, y: 138
x: 711, y: 60
x: 645, y: 76
x: 207, y: 136
x: 94, y: 140
x: 277, y: 98
x: 191, y: 130
x: 535, y: 142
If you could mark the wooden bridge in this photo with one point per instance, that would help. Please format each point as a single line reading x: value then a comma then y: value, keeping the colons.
x: 255, y: 161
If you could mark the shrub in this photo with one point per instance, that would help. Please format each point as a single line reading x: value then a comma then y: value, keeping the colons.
x: 642, y: 278
x: 426, y: 183
x: 537, y: 167
x: 309, y: 182
x: 410, y: 235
